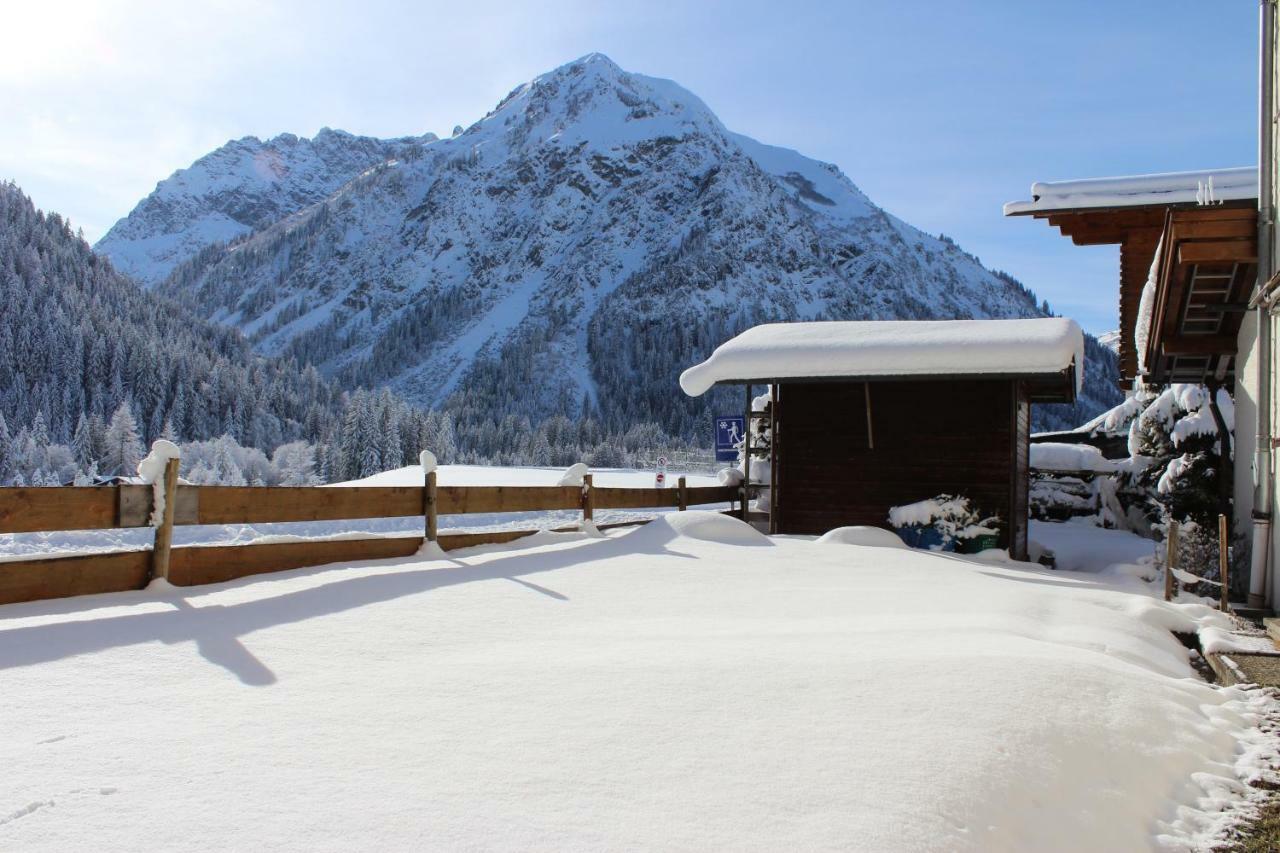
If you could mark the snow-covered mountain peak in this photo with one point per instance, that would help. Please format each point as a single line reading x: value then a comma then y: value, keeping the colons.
x: 593, y: 102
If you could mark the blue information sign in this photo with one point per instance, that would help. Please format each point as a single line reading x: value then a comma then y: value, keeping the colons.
x: 729, y: 432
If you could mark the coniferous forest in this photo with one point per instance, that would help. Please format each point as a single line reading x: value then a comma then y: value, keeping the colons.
x: 93, y: 368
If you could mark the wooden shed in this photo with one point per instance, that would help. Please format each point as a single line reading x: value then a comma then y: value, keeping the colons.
x: 865, y: 416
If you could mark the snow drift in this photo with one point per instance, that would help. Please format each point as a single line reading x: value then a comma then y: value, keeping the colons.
x: 875, y: 537
x: 699, y: 525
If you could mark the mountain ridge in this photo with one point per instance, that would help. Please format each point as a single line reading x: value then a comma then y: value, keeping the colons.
x: 241, y: 186
x: 571, y: 251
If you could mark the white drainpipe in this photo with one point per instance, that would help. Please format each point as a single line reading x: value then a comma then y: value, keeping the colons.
x: 1262, y: 492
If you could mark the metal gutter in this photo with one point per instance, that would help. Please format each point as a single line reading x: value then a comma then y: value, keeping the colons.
x: 1262, y: 486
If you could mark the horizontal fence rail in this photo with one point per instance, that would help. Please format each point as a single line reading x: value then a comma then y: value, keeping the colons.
x: 63, y: 508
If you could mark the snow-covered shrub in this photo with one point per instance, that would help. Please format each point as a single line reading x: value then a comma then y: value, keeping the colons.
x: 1175, y: 466
x: 1172, y: 470
x: 952, y: 517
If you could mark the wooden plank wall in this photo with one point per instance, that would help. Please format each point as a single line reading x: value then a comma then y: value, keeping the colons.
x: 40, y: 509
x: 930, y: 438
x: 1019, y: 509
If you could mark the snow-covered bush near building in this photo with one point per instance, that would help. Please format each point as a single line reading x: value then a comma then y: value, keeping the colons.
x: 1175, y: 466
x: 1176, y: 454
x: 953, y: 518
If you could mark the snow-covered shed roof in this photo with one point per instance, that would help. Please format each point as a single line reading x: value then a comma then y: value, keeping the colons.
x: 1201, y: 187
x: 893, y: 348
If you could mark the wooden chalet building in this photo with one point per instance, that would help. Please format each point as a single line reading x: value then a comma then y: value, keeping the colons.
x: 865, y: 416
x: 1189, y: 253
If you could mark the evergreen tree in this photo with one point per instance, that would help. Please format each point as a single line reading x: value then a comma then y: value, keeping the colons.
x: 82, y: 444
x: 124, y: 448
x: 168, y: 433
x: 6, y: 452
x: 1176, y: 443
x: 295, y: 463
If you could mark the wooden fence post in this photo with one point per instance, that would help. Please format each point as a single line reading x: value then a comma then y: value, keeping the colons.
x: 427, y: 460
x: 1223, y: 546
x: 430, y: 500
x: 683, y: 495
x: 164, y: 532
x: 588, y: 499
x: 1170, y: 559
x: 746, y: 462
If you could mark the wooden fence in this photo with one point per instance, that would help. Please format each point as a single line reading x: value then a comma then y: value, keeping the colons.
x: 58, y: 508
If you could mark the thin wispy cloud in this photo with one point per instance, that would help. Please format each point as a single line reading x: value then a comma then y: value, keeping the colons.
x: 939, y: 114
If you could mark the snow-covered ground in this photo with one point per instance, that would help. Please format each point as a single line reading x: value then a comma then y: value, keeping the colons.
x: 689, y: 685
x: 1079, y: 546
x: 17, y: 546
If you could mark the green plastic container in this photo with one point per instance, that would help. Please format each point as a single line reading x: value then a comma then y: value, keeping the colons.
x: 978, y: 544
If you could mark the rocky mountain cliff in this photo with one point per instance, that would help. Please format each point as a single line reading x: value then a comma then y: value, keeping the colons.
x: 570, y: 252
x: 245, y: 185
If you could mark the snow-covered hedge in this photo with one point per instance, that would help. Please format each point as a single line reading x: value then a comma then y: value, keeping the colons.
x: 1053, y: 456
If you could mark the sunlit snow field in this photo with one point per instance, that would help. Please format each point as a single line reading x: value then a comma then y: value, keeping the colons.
x: 689, y: 684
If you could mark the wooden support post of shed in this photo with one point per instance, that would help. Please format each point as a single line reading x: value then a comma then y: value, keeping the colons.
x: 866, y: 396
x: 1224, y: 545
x: 430, y: 506
x: 164, y: 532
x: 682, y: 496
x: 773, y: 459
x: 746, y: 461
x: 1170, y: 559
x: 588, y: 499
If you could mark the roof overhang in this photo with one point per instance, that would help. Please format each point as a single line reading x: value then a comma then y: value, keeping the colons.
x: 1204, y: 187
x: 1194, y: 335
x: 1046, y: 352
x: 1059, y: 387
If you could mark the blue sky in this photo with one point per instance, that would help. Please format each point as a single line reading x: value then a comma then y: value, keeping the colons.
x: 939, y: 112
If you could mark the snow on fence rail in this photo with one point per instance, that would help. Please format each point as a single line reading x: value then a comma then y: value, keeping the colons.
x: 61, y: 508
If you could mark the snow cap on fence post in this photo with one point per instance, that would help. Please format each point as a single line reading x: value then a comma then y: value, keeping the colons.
x: 160, y: 469
x: 151, y: 471
x: 574, y: 475
x: 427, y: 460
x: 151, y: 468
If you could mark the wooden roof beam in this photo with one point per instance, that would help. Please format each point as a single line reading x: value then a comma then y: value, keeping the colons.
x: 1236, y: 210
x: 1217, y: 229
x: 1198, y: 345
x: 1205, y: 251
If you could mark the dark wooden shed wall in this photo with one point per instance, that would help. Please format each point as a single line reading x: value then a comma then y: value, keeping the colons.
x: 965, y: 437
